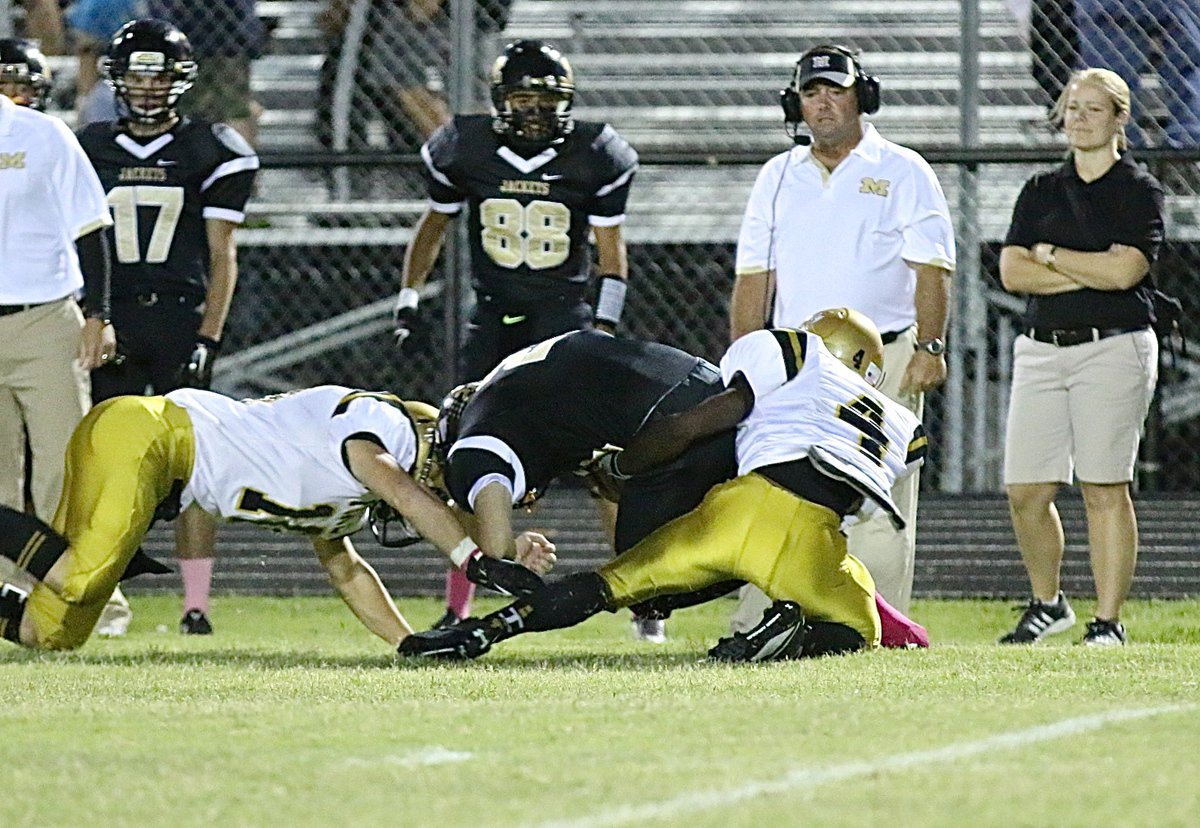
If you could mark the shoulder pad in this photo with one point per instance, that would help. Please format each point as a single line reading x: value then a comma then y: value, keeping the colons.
x: 617, y: 152
x: 232, y: 140
x: 442, y: 145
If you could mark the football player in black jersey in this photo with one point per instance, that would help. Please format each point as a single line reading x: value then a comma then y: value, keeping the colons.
x: 536, y: 185
x: 546, y: 409
x: 178, y: 188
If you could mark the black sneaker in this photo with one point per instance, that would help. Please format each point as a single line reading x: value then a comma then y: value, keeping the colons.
x: 1040, y: 620
x: 779, y: 635
x: 195, y: 622
x: 446, y: 621
x: 1101, y: 633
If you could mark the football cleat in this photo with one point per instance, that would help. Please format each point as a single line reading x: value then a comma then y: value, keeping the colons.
x: 778, y: 636
x: 114, y: 619
x: 650, y: 630
x: 195, y: 622
x: 465, y: 640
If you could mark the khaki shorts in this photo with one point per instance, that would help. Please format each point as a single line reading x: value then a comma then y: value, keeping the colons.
x: 1079, y: 410
x: 221, y: 92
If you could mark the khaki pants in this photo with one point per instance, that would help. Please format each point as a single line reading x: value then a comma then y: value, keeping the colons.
x: 888, y: 555
x: 43, y: 391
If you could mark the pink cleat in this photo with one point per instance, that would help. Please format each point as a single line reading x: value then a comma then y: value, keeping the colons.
x: 898, y: 630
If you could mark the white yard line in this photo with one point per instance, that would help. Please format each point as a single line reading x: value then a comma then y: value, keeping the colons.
x: 435, y: 755
x: 803, y: 778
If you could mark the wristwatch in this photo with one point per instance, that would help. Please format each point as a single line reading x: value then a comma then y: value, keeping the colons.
x: 935, y: 346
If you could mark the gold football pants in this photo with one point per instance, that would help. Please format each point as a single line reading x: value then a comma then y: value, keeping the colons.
x: 121, y: 463
x: 753, y: 530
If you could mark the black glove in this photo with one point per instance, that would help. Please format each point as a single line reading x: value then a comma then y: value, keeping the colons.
x: 404, y: 315
x: 197, y: 371
x: 463, y: 641
x: 505, y: 577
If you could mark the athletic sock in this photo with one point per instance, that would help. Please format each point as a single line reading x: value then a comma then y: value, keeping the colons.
x: 459, y: 592
x: 197, y: 582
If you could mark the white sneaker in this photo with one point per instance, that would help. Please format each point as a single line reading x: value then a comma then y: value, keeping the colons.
x: 114, y: 620
x: 652, y: 630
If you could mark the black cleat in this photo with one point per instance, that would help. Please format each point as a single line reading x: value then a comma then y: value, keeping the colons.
x: 195, y: 622
x: 1040, y: 620
x: 779, y: 635
x: 466, y: 640
x: 446, y: 621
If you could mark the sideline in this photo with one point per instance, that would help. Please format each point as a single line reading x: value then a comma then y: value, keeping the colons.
x: 811, y: 777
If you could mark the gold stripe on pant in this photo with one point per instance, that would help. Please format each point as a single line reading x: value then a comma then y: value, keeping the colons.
x: 121, y: 463
x: 751, y: 529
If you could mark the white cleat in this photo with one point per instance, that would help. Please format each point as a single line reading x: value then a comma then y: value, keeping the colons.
x: 652, y: 630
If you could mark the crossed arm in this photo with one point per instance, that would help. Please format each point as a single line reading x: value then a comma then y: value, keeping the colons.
x: 1045, y: 269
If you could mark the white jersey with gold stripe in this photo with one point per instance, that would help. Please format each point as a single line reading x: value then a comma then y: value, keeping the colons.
x: 279, y: 461
x: 808, y: 404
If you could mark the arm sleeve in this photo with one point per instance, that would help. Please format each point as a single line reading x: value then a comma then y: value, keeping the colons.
x: 96, y: 266
x: 616, y: 163
x: 756, y: 235
x: 928, y: 230
x: 439, y: 154
x: 228, y: 186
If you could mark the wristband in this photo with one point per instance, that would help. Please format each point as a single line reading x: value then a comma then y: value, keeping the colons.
x: 408, y: 298
x: 462, y: 554
x: 611, y: 300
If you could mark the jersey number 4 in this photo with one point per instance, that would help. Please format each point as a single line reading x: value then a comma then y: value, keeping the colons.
x: 125, y: 202
x: 535, y: 235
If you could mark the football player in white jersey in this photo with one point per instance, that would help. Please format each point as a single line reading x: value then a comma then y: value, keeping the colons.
x: 311, y: 461
x: 818, y: 447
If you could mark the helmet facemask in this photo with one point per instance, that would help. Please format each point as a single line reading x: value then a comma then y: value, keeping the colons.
x: 533, y: 88
x: 149, y: 65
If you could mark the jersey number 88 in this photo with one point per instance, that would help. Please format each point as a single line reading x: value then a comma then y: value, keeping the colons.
x: 534, y: 235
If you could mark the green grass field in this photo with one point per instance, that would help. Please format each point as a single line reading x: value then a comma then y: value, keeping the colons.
x: 293, y: 715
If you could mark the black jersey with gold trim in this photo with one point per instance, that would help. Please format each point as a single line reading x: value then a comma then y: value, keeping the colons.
x: 556, y: 402
x: 161, y: 191
x: 529, y: 217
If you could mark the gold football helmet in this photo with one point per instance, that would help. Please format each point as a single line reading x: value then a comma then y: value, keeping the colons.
x: 852, y: 338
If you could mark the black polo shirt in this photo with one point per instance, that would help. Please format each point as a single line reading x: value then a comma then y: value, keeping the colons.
x: 1123, y: 206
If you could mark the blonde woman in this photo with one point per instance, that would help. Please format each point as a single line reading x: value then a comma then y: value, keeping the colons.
x: 1080, y: 246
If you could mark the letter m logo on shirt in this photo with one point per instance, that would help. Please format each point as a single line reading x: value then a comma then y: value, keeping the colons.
x: 875, y: 186
x: 12, y: 160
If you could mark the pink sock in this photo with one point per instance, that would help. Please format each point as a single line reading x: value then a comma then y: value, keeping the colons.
x: 459, y: 592
x: 197, y: 579
x: 898, y: 630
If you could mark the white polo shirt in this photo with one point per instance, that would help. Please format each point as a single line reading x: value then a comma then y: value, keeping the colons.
x: 843, y: 238
x: 49, y: 197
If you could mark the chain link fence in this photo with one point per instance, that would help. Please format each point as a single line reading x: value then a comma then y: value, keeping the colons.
x: 346, y: 91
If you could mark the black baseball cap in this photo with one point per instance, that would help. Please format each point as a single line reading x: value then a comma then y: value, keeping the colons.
x: 834, y: 67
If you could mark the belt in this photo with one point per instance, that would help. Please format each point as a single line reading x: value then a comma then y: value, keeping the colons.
x: 150, y: 298
x: 1065, y: 337
x: 889, y: 337
x: 6, y: 310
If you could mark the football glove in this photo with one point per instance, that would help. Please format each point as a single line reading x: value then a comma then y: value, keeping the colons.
x: 460, y: 642
x: 197, y: 371
x: 404, y: 315
x: 505, y: 577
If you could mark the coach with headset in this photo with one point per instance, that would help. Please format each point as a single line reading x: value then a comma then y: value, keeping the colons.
x: 847, y: 218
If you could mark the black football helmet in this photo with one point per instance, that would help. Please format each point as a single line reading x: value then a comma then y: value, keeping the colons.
x: 23, y: 64
x: 151, y: 50
x: 529, y: 66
